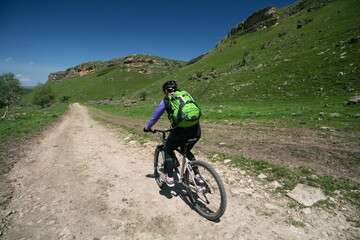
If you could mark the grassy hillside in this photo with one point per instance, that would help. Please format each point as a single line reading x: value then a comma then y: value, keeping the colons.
x: 284, y: 72
x: 115, y: 82
x: 304, y: 68
x: 285, y: 63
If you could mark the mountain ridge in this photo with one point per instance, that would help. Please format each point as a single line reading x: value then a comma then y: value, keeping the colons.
x: 141, y: 63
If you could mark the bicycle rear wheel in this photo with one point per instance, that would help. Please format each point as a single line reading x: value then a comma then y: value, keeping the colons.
x: 159, y: 161
x: 207, y: 193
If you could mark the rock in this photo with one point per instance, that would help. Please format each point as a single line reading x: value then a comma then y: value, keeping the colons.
x: 306, y: 195
x: 227, y: 161
x: 354, y: 40
x: 262, y: 19
x: 354, y: 100
x: 262, y: 176
x: 242, y: 172
x: 275, y: 184
x: 193, y: 77
x: 334, y: 114
x: 306, y: 211
x: 237, y: 88
x: 132, y: 142
x: 132, y: 63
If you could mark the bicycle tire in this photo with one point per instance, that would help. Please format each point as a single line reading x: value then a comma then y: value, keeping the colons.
x: 213, y: 188
x: 159, y: 160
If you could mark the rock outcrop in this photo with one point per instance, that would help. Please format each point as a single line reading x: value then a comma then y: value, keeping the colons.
x: 143, y: 64
x: 259, y: 20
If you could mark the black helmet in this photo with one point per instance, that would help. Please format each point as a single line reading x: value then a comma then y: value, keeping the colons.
x: 170, y: 85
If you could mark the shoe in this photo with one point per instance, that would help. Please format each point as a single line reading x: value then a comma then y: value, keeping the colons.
x: 199, y: 179
x: 168, y: 180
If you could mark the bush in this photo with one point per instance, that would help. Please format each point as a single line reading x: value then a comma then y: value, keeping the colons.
x: 65, y: 99
x: 143, y: 96
x: 43, y: 95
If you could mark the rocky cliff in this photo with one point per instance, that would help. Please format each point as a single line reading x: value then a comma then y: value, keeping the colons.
x: 143, y: 64
x: 259, y: 20
x: 262, y: 19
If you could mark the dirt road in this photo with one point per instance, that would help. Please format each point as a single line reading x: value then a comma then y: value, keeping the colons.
x: 82, y: 180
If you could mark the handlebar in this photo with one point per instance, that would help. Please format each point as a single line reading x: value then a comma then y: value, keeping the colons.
x: 159, y: 130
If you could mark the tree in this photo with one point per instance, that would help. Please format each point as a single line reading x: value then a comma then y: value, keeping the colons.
x: 43, y: 95
x: 10, y: 91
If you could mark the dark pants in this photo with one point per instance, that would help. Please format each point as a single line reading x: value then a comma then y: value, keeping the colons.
x: 177, y: 138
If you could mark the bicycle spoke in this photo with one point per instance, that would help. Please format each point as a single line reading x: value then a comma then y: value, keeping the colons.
x: 209, y: 198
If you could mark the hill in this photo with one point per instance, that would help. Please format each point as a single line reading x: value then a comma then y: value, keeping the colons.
x: 300, y: 60
x: 307, y: 50
x: 114, y: 78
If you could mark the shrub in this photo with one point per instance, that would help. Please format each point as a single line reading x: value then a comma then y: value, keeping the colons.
x: 65, y: 99
x: 143, y: 95
x: 43, y: 95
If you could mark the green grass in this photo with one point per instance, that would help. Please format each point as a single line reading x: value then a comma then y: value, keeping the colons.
x: 303, y: 114
x: 26, y: 120
x: 295, y: 223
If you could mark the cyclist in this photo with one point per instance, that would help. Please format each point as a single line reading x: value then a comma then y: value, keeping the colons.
x: 178, y: 135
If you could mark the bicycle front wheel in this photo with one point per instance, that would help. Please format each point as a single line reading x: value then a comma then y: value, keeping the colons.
x: 207, y: 191
x: 159, y: 161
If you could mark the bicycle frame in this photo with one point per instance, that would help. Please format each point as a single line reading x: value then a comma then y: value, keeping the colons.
x: 185, y: 162
x: 206, y: 191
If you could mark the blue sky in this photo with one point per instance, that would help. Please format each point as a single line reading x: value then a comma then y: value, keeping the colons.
x: 39, y: 37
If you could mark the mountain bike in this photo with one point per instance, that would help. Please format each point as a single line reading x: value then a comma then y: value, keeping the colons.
x: 205, y: 188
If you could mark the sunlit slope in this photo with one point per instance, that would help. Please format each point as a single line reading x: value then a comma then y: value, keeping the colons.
x: 310, y: 54
x: 125, y: 77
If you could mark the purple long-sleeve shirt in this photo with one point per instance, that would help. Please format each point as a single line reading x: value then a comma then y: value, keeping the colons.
x: 157, y: 115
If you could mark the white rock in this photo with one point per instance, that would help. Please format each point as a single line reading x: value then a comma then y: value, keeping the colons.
x: 306, y: 195
x: 306, y: 211
x: 262, y: 176
x: 275, y: 184
x: 227, y: 160
x: 242, y: 172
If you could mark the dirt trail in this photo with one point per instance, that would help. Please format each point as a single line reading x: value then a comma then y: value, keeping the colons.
x: 81, y: 180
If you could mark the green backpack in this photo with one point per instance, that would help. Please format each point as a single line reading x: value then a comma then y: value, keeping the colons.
x: 186, y: 112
